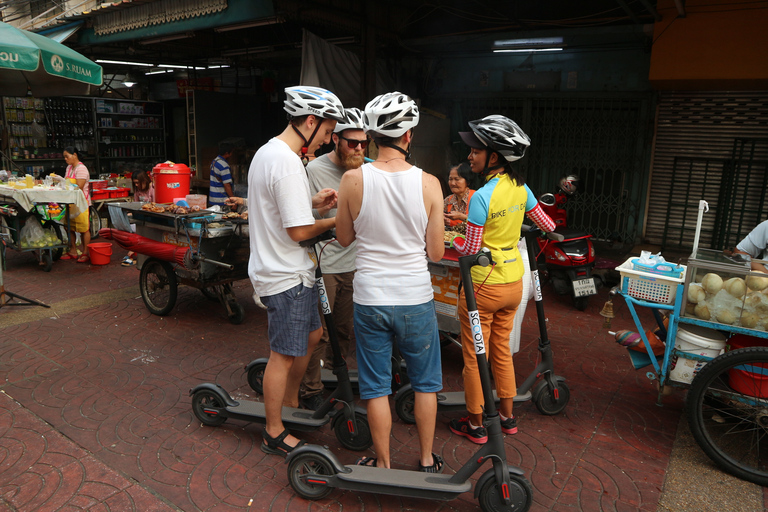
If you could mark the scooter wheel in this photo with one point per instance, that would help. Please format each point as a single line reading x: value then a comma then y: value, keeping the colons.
x: 520, y: 494
x: 256, y: 377
x: 301, y: 470
x: 204, y: 399
x: 358, y: 442
x: 404, y: 407
x: 545, y: 401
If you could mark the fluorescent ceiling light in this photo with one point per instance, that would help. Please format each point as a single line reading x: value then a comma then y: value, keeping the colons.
x: 218, y: 67
x: 159, y: 72
x: 528, y: 50
x: 529, y: 42
x: 163, y: 39
x: 144, y: 64
x: 248, y: 24
x: 177, y: 66
x: 246, y: 51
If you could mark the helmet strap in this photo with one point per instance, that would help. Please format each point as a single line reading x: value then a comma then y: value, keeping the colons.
x: 406, y: 153
x: 307, y: 142
x: 486, y: 170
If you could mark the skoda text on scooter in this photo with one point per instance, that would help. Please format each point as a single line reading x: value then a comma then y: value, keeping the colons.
x: 314, y: 471
x: 568, y: 263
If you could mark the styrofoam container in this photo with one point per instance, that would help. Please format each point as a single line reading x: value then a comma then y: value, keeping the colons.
x: 694, y: 339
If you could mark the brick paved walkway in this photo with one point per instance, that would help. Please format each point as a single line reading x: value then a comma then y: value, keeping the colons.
x: 95, y: 412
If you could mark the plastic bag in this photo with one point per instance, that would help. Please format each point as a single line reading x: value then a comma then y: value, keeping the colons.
x: 32, y: 234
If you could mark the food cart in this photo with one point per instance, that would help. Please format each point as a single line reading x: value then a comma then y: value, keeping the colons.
x: 717, y: 296
x: 445, y: 284
x: 198, y: 249
x: 19, y: 205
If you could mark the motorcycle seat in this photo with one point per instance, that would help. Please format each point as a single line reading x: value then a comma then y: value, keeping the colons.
x: 571, y: 234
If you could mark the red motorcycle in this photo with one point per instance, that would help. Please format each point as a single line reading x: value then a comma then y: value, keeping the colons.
x: 568, y: 263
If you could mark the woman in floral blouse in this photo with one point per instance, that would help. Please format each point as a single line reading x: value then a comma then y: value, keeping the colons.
x: 456, y: 204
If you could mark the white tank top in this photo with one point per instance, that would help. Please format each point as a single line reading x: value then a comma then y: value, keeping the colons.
x: 391, y: 231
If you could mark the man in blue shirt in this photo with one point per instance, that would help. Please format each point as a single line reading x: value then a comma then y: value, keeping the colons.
x: 221, y: 178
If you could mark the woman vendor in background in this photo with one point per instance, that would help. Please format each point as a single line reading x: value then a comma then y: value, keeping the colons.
x: 457, y: 203
x: 78, y: 173
x: 143, y: 192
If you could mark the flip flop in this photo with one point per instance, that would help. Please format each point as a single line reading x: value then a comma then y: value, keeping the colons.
x: 436, y: 467
x: 366, y: 461
x: 83, y: 259
x: 276, y: 445
x: 68, y: 256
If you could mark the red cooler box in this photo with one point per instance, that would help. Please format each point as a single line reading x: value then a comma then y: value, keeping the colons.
x: 170, y: 181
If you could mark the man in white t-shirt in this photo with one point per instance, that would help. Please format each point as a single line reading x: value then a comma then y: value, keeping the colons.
x: 281, y: 271
x: 336, y: 262
x: 755, y: 244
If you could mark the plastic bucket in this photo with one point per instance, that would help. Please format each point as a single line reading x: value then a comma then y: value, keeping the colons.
x: 693, y: 339
x: 100, y: 253
x: 753, y: 379
x: 170, y: 181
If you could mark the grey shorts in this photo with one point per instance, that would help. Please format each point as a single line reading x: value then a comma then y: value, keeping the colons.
x: 291, y: 316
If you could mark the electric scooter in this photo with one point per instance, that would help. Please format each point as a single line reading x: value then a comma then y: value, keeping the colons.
x: 568, y: 262
x: 551, y: 394
x: 314, y: 471
x: 212, y: 405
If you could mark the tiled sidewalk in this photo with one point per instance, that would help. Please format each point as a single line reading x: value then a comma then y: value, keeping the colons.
x: 95, y: 412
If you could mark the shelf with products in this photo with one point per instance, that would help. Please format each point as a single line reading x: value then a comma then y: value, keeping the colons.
x: 70, y: 123
x: 26, y: 125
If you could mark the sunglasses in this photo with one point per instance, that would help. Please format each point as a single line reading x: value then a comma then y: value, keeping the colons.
x: 353, y: 143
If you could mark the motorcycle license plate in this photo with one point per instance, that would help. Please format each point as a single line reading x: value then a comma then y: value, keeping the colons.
x: 584, y: 287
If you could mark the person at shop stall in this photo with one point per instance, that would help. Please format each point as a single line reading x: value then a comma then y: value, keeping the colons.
x: 78, y: 173
x: 144, y: 192
x: 221, y: 176
x: 394, y: 211
x: 282, y: 272
x: 337, y: 262
x: 496, y: 213
x: 457, y: 203
x: 754, y: 245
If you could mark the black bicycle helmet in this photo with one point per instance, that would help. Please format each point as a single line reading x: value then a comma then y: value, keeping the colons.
x: 502, y: 135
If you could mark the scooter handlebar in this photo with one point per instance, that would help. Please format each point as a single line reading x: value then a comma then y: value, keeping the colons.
x: 535, y: 231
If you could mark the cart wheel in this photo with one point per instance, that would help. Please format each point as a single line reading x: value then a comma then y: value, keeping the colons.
x: 728, y: 412
x: 203, y: 399
x: 545, y: 402
x: 256, y: 377
x: 492, y: 500
x: 47, y: 259
x: 238, y: 313
x: 300, y: 473
x: 404, y: 407
x: 361, y: 440
x: 157, y: 283
x: 95, y: 220
x: 57, y: 230
x: 581, y: 303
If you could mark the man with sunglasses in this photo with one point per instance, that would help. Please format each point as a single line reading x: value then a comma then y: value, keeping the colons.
x: 337, y: 262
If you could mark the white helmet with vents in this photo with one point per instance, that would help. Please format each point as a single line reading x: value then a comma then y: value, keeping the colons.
x: 501, y: 134
x: 304, y: 100
x: 353, y: 120
x: 390, y: 115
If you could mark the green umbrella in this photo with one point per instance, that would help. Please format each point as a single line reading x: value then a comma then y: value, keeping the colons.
x: 63, y: 70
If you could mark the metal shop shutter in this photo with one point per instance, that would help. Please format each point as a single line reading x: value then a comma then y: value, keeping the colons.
x: 711, y: 146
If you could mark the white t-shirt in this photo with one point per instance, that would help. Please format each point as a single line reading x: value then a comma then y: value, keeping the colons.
x: 756, y: 241
x: 278, y: 198
x: 391, y: 240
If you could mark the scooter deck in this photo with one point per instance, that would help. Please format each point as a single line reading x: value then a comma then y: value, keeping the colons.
x: 294, y: 419
x: 401, y: 482
x: 456, y: 398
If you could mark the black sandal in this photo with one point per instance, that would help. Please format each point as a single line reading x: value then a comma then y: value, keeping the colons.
x: 276, y: 445
x: 366, y: 461
x: 436, y: 467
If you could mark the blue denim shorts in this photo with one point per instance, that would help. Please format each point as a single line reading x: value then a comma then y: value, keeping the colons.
x: 414, y: 329
x: 291, y: 316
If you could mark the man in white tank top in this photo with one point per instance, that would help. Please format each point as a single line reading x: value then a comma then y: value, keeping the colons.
x: 395, y: 213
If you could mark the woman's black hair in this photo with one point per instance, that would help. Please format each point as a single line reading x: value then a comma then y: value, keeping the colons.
x: 72, y: 150
x: 143, y: 178
x: 464, y: 170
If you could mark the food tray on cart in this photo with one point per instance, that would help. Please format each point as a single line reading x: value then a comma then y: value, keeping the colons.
x: 167, y: 219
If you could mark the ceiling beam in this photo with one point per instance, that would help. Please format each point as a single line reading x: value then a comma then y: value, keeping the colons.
x: 651, y: 9
x: 629, y: 11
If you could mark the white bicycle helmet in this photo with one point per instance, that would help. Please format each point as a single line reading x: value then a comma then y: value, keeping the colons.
x: 304, y: 100
x: 390, y: 115
x: 501, y: 134
x: 353, y: 120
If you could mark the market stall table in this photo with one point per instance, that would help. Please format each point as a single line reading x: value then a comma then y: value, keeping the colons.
x: 20, y: 204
